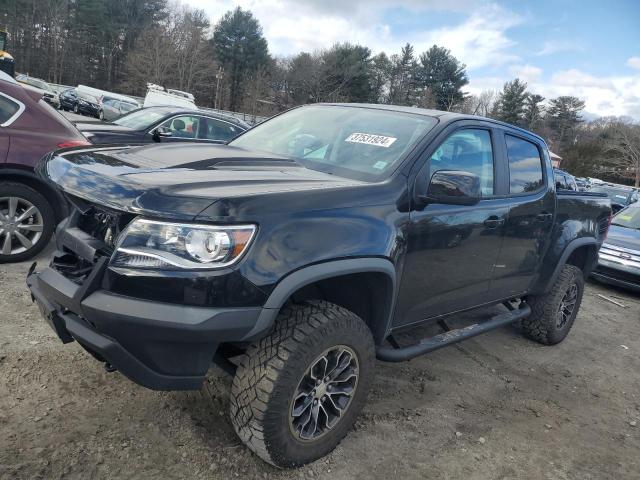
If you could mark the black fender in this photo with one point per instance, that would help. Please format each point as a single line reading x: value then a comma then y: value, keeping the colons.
x: 30, y: 178
x: 322, y: 271
x: 571, y: 247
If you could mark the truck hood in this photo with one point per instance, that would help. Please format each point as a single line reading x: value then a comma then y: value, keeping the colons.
x: 624, y: 237
x: 178, y: 180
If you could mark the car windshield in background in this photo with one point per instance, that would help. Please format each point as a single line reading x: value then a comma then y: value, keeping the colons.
x: 39, y: 84
x: 360, y: 143
x: 140, y: 119
x: 629, y: 218
x: 617, y: 195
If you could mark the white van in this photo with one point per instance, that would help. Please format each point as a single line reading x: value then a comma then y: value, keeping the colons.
x: 157, y: 96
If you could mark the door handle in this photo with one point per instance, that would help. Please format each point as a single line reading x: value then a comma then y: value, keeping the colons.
x: 544, y: 217
x: 493, y: 222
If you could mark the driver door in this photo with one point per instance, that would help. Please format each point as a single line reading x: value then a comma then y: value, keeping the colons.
x: 452, y: 249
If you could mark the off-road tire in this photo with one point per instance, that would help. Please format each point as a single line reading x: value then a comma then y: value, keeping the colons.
x: 13, y: 189
x: 271, y: 369
x: 541, y: 325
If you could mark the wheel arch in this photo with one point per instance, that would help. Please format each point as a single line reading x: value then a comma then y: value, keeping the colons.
x: 28, y: 177
x: 365, y: 286
x: 580, y: 252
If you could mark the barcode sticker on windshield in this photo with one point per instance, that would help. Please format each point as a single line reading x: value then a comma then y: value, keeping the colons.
x: 368, y: 139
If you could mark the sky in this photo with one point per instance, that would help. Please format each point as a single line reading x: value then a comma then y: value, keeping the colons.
x: 589, y: 48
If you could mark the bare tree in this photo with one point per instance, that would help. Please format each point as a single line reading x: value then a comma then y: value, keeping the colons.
x: 622, y: 146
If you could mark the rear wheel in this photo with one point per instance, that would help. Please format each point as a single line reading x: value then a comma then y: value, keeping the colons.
x: 26, y: 222
x: 553, y: 314
x: 298, y: 391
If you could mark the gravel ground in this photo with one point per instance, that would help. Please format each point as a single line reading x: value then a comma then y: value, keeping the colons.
x: 497, y: 406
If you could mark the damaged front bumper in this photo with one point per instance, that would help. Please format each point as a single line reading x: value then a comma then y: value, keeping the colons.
x: 160, y: 346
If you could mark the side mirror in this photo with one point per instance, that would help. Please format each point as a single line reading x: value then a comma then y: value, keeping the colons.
x: 161, y: 132
x: 453, y: 187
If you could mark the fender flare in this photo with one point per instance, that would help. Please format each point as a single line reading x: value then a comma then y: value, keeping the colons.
x: 313, y: 273
x: 571, y: 247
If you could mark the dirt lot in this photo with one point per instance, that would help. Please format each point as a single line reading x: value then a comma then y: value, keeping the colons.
x: 497, y: 406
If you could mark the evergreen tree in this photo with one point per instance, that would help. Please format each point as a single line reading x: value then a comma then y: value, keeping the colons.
x: 563, y: 117
x: 402, y: 77
x: 241, y: 50
x: 533, y: 111
x: 510, y: 106
x: 441, y: 75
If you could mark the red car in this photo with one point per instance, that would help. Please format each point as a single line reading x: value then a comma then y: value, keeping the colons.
x: 29, y: 208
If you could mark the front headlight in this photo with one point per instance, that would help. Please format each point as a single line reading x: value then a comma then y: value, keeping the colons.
x: 170, y: 246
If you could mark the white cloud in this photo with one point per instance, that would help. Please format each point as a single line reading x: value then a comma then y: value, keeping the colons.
x: 634, y: 62
x: 481, y: 39
x: 291, y: 26
x: 528, y: 73
x: 603, y: 96
x: 556, y: 46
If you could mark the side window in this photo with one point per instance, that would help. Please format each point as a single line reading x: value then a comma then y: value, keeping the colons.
x: 8, y: 108
x: 184, y: 126
x: 561, y: 182
x: 525, y: 165
x: 218, y: 130
x: 467, y: 150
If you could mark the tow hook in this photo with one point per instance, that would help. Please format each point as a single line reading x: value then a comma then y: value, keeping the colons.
x: 109, y: 368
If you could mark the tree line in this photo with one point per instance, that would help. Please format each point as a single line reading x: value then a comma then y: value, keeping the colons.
x: 122, y: 45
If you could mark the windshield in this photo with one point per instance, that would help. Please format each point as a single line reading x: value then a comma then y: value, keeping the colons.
x: 629, y: 217
x: 140, y: 119
x: 39, y: 84
x: 127, y: 107
x: 360, y: 143
x: 618, y: 195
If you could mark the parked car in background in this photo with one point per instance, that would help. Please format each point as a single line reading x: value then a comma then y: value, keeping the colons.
x: 293, y: 255
x: 582, y: 183
x: 29, y: 207
x: 69, y: 100
x: 620, y: 195
x: 619, y: 260
x: 112, y: 108
x: 158, y: 96
x: 564, y: 180
x: 49, y: 94
x: 87, y: 104
x: 166, y: 124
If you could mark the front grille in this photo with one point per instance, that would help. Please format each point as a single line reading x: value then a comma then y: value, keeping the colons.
x: 101, y: 223
x: 89, y: 234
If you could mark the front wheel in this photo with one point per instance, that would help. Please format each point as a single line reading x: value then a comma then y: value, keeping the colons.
x: 553, y: 314
x: 26, y: 222
x: 298, y: 391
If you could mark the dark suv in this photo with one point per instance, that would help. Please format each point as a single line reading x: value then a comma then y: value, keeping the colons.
x: 29, y: 207
x: 293, y: 256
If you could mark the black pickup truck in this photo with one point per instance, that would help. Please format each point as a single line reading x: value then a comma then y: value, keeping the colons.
x: 294, y: 255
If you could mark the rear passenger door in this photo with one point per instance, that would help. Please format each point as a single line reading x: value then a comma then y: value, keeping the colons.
x: 530, y: 219
x: 220, y: 131
x: 10, y: 109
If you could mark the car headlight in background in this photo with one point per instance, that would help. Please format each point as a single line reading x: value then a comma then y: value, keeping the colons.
x: 171, y: 246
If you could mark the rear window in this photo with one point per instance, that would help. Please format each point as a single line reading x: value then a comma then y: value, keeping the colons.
x: 8, y: 108
x: 525, y: 165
